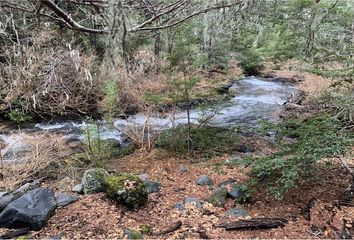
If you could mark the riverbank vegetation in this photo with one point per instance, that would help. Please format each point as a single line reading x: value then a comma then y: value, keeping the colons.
x: 102, y: 62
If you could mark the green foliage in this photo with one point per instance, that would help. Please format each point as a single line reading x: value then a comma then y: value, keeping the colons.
x: 311, y: 140
x: 110, y: 100
x: 205, y: 141
x: 96, y: 150
x: 19, y: 116
x: 251, y: 62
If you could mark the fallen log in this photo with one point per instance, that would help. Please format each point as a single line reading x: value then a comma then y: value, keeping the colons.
x: 255, y: 223
x: 14, y: 233
x: 175, y: 227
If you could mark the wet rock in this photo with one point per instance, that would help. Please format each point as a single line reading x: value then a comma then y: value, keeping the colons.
x: 25, y: 188
x: 236, y: 212
x: 133, y: 234
x: 64, y: 199
x: 194, y: 201
x: 218, y: 197
x: 204, y: 180
x: 31, y: 210
x: 93, y: 180
x: 127, y: 190
x: 182, y: 169
x: 78, y: 188
x: 152, y: 186
x: 5, y: 199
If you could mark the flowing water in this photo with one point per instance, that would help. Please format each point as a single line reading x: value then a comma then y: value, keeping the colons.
x: 256, y: 99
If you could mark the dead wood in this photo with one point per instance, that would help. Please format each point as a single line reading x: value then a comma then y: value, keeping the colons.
x: 175, y: 227
x: 255, y: 223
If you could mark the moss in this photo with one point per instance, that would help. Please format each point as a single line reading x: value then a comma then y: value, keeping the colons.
x: 93, y: 180
x: 127, y: 190
x: 145, y: 229
x: 218, y: 198
x: 133, y: 234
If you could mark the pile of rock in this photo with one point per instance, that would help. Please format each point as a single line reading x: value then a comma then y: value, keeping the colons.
x: 30, y: 206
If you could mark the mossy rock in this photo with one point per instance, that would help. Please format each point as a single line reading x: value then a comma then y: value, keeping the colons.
x: 93, y: 180
x: 127, y: 190
x: 218, y: 198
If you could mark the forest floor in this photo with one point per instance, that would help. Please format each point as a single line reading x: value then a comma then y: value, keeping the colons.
x: 95, y: 216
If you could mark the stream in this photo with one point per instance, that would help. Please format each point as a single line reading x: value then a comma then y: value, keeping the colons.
x: 256, y: 99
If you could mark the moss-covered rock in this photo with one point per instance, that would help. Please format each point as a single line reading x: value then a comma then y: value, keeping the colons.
x: 133, y: 234
x: 128, y: 190
x: 218, y: 198
x: 93, y: 180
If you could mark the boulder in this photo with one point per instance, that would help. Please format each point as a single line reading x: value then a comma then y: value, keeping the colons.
x: 182, y: 169
x: 237, y: 212
x: 191, y: 200
x: 93, y: 180
x: 152, y: 186
x: 218, y: 197
x: 78, y: 188
x: 127, y: 190
x: 235, y: 192
x: 244, y: 148
x: 31, y: 210
x: 64, y: 199
x: 5, y: 199
x: 204, y: 180
x: 181, y: 206
x: 25, y: 188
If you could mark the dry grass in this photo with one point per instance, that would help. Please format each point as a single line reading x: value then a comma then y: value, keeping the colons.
x: 312, y: 84
x: 48, y: 77
x: 46, y: 149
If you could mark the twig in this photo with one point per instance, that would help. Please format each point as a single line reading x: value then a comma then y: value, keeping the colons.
x: 175, y: 227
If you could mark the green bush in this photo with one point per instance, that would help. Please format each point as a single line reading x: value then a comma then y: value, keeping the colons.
x: 205, y: 141
x: 298, y: 157
x: 19, y: 116
x: 251, y: 62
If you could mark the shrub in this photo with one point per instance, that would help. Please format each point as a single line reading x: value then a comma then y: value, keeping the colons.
x: 205, y: 141
x: 251, y: 62
x: 296, y: 161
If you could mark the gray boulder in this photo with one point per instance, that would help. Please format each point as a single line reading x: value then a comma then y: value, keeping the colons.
x: 152, y: 186
x: 204, y: 180
x: 235, y: 192
x: 93, y: 180
x: 237, y: 212
x: 189, y: 201
x: 78, y: 188
x: 64, y: 199
x: 31, y: 210
x: 218, y: 197
x: 5, y: 199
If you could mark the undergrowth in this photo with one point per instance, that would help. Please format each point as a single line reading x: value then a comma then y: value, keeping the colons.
x: 302, y: 145
x: 206, y: 142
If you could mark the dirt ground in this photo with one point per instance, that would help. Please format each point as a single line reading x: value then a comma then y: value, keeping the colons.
x: 96, y: 217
